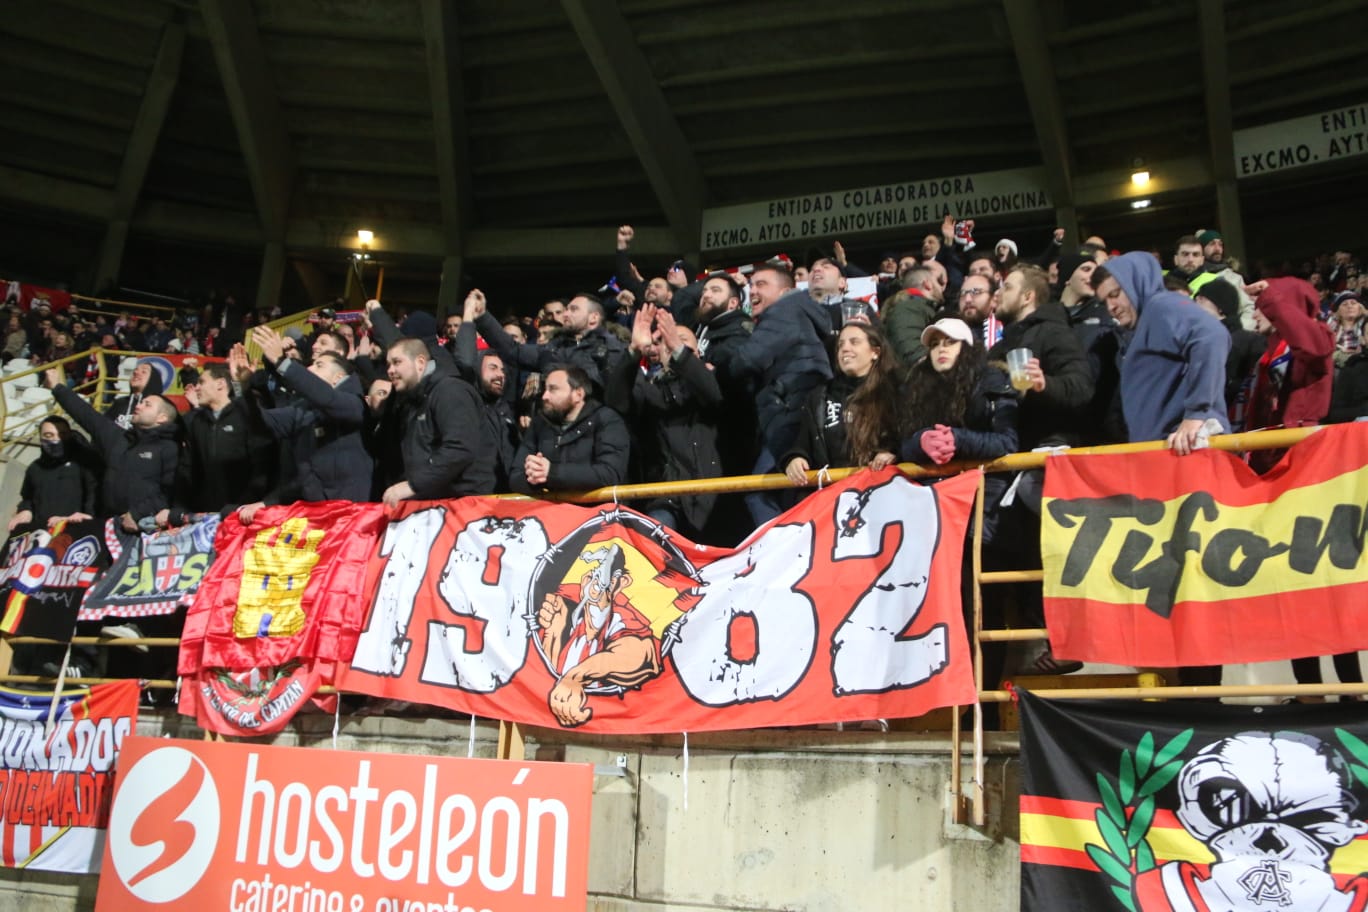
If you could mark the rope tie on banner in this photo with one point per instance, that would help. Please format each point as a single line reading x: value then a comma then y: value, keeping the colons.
x: 57, y: 692
x: 615, y: 497
x: 337, y: 717
x: 470, y: 748
x: 686, y: 771
x: 823, y: 476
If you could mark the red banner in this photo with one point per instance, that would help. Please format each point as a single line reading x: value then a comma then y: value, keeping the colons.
x: 280, y: 606
x: 28, y: 296
x: 219, y: 826
x: 56, y: 783
x: 846, y: 607
x: 1155, y: 559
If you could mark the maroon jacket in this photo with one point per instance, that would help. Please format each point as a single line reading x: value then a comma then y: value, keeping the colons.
x: 1299, y: 393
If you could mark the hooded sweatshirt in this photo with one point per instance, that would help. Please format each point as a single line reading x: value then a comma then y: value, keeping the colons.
x: 1174, y: 365
x: 120, y: 411
x: 1292, y: 386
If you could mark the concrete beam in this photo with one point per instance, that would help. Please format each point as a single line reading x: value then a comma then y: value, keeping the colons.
x: 1042, y: 93
x: 142, y: 142
x: 1220, y: 122
x: 660, y: 144
x: 255, y: 107
x: 447, y: 89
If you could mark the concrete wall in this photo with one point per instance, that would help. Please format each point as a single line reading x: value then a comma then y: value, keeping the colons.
x: 794, y: 820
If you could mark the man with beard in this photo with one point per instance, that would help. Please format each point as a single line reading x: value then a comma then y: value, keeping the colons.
x: 977, y: 309
x: 575, y: 444
x: 1061, y: 384
x: 498, y: 415
x: 583, y: 340
x: 443, y: 445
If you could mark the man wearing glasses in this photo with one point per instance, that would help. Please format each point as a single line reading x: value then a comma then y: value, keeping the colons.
x: 976, y: 307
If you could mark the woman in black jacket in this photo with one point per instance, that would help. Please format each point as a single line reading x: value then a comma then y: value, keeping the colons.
x: 60, y: 483
x: 958, y: 406
x: 853, y: 420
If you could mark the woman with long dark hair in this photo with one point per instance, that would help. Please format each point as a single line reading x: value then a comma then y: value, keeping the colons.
x: 956, y: 405
x: 853, y: 420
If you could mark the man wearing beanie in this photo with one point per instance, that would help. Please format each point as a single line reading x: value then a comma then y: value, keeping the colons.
x: 1209, y: 269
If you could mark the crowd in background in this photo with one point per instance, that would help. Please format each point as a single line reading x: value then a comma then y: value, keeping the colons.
x: 960, y: 352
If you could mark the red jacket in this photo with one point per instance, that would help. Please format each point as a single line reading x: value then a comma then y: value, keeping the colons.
x: 1292, y: 387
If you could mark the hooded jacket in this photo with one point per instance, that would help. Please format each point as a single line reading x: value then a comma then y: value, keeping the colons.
x: 120, y: 411
x: 1292, y: 387
x: 1174, y: 365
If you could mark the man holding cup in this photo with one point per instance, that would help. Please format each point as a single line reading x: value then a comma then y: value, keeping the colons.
x: 1045, y: 361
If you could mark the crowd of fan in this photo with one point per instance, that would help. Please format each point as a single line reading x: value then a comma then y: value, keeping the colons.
x: 965, y: 354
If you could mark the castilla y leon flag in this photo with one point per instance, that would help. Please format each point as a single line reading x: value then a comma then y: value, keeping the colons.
x: 846, y: 607
x: 1154, y: 559
x: 1173, y: 807
x: 283, y: 602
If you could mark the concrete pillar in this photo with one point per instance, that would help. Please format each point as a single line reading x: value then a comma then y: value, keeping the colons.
x: 272, y: 275
x: 448, y: 301
x: 111, y: 255
x: 1229, y: 221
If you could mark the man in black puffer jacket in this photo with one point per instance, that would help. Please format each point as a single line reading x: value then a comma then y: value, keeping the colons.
x: 575, y: 444
x: 445, y: 448
x: 140, y: 463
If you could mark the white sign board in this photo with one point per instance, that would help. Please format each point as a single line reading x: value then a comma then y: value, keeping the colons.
x: 845, y: 212
x: 1302, y: 141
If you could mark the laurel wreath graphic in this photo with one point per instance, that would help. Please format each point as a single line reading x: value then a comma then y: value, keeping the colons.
x: 1359, y: 751
x: 1127, y: 811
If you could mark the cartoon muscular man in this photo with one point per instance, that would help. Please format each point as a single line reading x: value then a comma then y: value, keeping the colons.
x: 592, y: 635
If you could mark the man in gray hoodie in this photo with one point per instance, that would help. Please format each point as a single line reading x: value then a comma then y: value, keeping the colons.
x: 1173, y: 369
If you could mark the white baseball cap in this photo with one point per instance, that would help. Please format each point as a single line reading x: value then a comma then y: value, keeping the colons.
x: 951, y: 328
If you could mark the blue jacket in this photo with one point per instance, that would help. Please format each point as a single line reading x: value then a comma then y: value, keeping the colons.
x: 787, y: 357
x: 1174, y: 365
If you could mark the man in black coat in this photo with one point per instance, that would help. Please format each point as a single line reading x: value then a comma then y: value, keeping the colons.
x: 1054, y: 409
x: 140, y: 463
x: 323, y: 422
x: 445, y: 447
x: 582, y: 341
x: 674, y: 405
x: 498, y: 414
x: 228, y: 458
x: 575, y: 444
